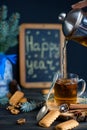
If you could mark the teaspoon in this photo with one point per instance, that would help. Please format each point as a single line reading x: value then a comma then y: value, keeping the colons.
x: 62, y: 108
x: 44, y: 109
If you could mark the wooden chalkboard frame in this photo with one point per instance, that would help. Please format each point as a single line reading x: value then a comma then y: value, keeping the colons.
x: 22, y: 52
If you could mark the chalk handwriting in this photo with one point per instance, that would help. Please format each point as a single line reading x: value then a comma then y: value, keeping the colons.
x: 41, y: 55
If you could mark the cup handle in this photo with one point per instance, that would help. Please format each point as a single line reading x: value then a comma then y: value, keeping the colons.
x: 83, y: 87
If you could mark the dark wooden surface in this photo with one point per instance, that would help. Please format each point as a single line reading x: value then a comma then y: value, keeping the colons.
x: 8, y: 121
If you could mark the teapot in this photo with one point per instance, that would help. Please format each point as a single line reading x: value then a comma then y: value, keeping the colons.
x: 74, y: 26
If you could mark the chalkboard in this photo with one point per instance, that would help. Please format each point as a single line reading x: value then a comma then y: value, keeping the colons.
x: 40, y: 54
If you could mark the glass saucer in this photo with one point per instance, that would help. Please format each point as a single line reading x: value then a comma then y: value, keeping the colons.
x: 82, y: 100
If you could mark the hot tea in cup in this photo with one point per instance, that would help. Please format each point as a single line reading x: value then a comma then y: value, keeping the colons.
x: 66, y: 89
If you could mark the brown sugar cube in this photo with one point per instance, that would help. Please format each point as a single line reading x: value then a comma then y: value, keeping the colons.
x: 15, y: 111
x: 10, y: 107
x: 67, y: 125
x: 49, y: 118
x: 16, y: 97
x: 21, y: 121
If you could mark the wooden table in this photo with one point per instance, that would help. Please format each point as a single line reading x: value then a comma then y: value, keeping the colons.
x: 8, y: 121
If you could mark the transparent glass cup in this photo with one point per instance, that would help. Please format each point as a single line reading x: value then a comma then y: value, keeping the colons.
x: 68, y: 89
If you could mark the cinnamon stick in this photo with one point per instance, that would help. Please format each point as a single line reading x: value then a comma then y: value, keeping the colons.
x: 78, y: 106
x: 77, y: 110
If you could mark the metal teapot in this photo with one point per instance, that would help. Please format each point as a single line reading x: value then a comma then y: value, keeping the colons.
x: 74, y: 26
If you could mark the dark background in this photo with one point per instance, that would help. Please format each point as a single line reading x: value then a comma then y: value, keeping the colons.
x: 47, y: 11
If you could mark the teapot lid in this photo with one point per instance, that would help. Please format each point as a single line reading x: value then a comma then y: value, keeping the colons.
x: 71, y: 21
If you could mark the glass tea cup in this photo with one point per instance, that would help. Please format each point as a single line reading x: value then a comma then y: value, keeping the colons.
x: 67, y: 89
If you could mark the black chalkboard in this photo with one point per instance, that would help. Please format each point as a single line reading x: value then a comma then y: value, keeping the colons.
x: 40, y: 54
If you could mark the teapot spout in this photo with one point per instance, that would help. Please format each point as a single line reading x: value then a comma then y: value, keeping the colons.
x: 61, y: 16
